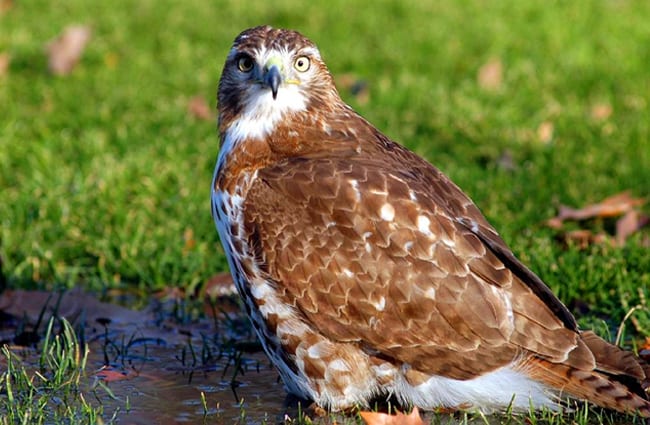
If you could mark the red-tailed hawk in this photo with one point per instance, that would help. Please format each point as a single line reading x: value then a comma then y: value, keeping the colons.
x: 367, y: 273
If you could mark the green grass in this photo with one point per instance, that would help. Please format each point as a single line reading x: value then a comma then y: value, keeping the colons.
x: 51, y: 393
x: 104, y: 175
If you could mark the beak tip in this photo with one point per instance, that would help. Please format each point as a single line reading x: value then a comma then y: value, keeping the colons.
x: 273, y: 80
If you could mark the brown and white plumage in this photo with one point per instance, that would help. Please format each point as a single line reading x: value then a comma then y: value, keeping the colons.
x: 366, y: 272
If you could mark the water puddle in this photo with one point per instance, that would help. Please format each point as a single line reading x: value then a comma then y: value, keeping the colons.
x: 166, y: 391
x: 165, y: 364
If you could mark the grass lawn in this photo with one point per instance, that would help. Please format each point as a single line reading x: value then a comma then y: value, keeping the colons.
x: 105, y: 176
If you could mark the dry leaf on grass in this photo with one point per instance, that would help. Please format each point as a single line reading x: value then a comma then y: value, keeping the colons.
x: 612, y: 206
x: 601, y: 111
x: 170, y: 293
x: 583, y: 238
x: 5, y: 6
x: 490, y: 75
x: 621, y: 204
x: 374, y: 418
x: 545, y: 132
x: 629, y: 224
x: 189, y: 240
x: 219, y: 285
x: 199, y: 108
x: 65, y: 51
x: 5, y: 59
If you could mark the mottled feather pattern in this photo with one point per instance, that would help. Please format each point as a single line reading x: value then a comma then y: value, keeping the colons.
x: 351, y: 255
x: 367, y: 273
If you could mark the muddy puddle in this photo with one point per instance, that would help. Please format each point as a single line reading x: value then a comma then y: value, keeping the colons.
x: 163, y: 390
x: 164, y: 364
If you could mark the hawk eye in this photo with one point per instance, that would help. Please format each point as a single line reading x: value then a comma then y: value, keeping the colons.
x: 301, y: 64
x: 245, y: 63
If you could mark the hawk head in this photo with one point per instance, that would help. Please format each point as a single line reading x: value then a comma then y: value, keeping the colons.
x: 269, y: 75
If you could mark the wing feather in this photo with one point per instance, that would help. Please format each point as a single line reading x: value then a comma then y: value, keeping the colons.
x: 402, y: 264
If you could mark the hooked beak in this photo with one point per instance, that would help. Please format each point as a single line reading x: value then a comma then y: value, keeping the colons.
x: 273, y: 79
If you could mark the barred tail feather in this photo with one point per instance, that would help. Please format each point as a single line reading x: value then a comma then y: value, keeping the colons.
x: 619, y: 381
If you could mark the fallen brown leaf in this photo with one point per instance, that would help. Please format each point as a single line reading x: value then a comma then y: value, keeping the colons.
x: 490, y: 75
x: 601, y: 111
x: 5, y: 60
x: 65, y: 51
x: 199, y: 108
x: 612, y: 206
x: 555, y: 222
x: 545, y: 132
x: 111, y: 374
x: 630, y: 223
x: 374, y: 418
x: 219, y: 285
x: 170, y: 293
x: 5, y: 6
x: 583, y: 238
x: 189, y: 240
x: 621, y: 204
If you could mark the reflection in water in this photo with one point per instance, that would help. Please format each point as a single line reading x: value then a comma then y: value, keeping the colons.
x: 166, y: 392
x: 170, y: 365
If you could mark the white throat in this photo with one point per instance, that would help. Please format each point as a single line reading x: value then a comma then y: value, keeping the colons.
x: 261, y: 113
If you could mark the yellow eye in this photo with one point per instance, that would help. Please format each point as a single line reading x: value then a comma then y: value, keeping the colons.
x: 301, y: 64
x: 245, y: 63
